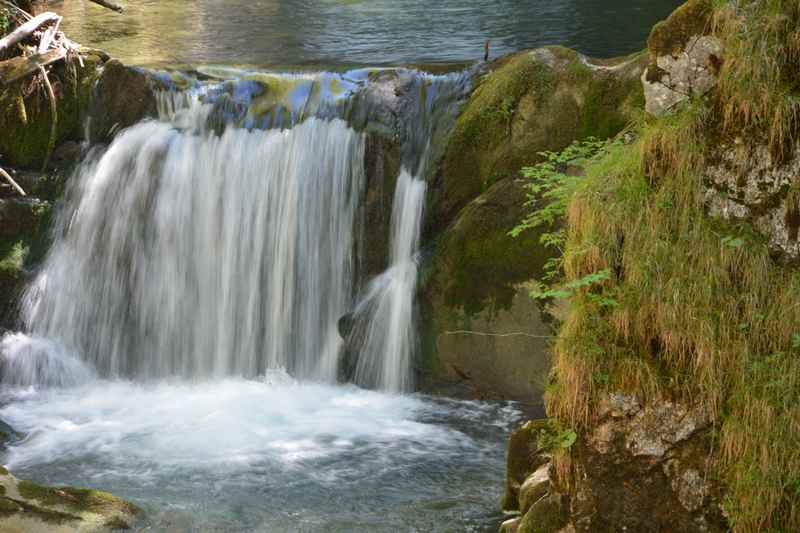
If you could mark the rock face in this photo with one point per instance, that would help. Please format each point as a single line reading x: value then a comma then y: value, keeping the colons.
x: 123, y: 96
x: 31, y: 508
x: 644, y: 467
x: 684, y: 58
x: 479, y: 326
x: 752, y: 187
x: 24, y: 224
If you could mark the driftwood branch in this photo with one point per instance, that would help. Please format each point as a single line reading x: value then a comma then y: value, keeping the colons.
x: 110, y: 5
x: 53, y: 119
x: 27, y: 29
x: 49, y: 35
x: 20, y: 66
x: 13, y: 183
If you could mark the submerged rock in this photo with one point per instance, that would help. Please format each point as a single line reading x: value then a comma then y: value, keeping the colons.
x: 32, y: 508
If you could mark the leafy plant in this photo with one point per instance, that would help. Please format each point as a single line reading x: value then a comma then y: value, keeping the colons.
x: 551, y: 185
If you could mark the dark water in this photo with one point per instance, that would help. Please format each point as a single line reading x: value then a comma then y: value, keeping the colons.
x: 280, y: 33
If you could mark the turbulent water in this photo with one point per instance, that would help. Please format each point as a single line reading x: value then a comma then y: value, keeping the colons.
x: 269, y: 455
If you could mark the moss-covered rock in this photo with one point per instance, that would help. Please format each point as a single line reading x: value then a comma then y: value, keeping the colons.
x: 669, y: 37
x: 530, y: 102
x: 477, y: 325
x: 25, y: 115
x: 523, y: 458
x: 547, y: 515
x: 30, y: 507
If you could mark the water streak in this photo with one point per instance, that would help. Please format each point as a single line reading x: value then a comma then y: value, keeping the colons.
x: 385, y: 358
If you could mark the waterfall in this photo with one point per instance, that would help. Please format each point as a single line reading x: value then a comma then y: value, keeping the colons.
x: 385, y: 358
x: 200, y: 255
x: 205, y: 244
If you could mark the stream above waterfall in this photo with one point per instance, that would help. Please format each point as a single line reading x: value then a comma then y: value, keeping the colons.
x: 294, y: 33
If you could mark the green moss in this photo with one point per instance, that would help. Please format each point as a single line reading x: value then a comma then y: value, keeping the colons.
x: 546, y: 516
x: 10, y: 507
x: 75, y: 499
x: 670, y: 36
x: 530, y: 102
x: 478, y: 263
x: 25, y: 118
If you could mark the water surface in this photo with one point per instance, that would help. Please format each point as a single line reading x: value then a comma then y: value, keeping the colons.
x: 269, y: 454
x: 374, y: 32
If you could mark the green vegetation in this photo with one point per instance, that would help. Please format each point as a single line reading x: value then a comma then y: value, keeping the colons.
x: 702, y: 312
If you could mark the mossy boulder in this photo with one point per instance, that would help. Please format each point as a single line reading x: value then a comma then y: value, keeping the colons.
x: 30, y: 507
x: 25, y: 115
x: 670, y: 36
x: 478, y: 324
x: 24, y: 235
x: 523, y: 458
x: 529, y: 102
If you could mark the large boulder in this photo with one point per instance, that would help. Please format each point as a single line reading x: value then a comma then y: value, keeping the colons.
x: 479, y: 326
x: 34, y: 508
x: 529, y: 102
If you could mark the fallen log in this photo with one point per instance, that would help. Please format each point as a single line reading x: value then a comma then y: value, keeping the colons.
x: 110, y: 5
x: 20, y: 66
x: 27, y: 29
x: 13, y: 183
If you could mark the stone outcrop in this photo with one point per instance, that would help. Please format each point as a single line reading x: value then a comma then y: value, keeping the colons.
x: 642, y: 467
x: 480, y: 329
x: 32, y: 508
x: 684, y: 58
x: 123, y: 96
x: 751, y: 187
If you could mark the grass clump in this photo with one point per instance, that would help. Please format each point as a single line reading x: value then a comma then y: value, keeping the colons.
x: 702, y: 313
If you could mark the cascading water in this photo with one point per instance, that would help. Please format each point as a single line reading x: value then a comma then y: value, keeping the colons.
x: 196, y: 255
x: 200, y: 246
x: 385, y: 358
